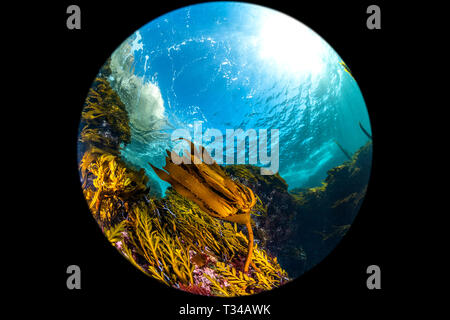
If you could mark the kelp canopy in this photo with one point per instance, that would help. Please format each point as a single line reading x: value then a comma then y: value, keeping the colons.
x: 174, y: 239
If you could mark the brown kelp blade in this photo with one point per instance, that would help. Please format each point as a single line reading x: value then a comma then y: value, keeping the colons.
x: 197, y: 177
x: 207, y: 185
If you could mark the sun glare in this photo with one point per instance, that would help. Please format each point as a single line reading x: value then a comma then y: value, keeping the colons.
x: 290, y: 45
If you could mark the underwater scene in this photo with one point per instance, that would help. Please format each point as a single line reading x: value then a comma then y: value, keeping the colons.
x: 224, y: 149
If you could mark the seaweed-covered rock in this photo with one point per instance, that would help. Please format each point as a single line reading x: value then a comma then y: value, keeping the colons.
x: 171, y: 239
x: 326, y: 213
x: 104, y: 120
x: 301, y: 227
x: 272, y: 227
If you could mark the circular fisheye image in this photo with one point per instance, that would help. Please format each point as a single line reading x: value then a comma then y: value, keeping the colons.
x: 224, y: 149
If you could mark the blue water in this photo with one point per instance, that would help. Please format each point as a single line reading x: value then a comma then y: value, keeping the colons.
x: 235, y: 65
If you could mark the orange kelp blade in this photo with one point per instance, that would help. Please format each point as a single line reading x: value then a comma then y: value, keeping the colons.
x: 208, y: 186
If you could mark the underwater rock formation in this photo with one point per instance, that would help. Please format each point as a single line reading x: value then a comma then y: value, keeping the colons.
x: 178, y: 240
x: 104, y: 120
x: 329, y: 210
x: 273, y: 227
x: 301, y: 227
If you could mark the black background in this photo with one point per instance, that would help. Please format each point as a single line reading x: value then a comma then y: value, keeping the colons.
x: 67, y: 62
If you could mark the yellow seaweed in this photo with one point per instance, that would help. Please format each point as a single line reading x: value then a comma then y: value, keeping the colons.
x: 162, y: 237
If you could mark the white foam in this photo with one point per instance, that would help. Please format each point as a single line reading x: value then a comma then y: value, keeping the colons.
x: 143, y: 99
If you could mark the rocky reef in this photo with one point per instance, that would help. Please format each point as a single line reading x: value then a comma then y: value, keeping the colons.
x: 301, y: 227
x: 170, y: 239
x: 173, y: 240
x: 104, y: 120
